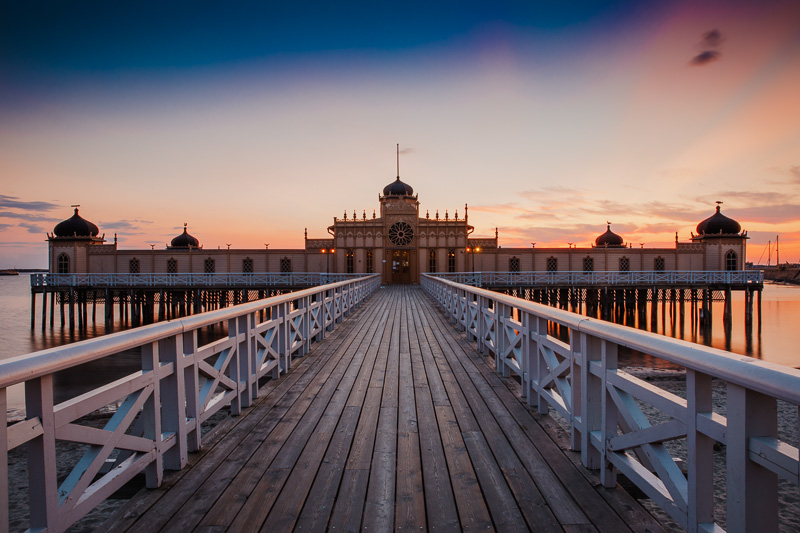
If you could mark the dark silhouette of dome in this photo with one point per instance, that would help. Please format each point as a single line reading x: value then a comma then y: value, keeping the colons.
x: 184, y: 240
x: 398, y: 188
x: 718, y: 224
x: 75, y: 226
x: 609, y: 238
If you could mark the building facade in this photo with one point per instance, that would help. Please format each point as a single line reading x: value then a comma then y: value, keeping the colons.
x: 400, y: 244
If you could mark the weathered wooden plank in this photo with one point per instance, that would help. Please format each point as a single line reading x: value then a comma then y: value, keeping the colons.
x: 472, y: 510
x: 410, y: 497
x: 318, y: 505
x: 506, y: 515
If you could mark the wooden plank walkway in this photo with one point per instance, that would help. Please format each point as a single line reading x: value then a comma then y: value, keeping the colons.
x: 393, y: 422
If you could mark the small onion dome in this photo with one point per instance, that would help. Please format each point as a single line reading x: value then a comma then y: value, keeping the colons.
x: 75, y: 226
x: 184, y: 240
x: 398, y: 188
x: 609, y: 238
x: 718, y: 224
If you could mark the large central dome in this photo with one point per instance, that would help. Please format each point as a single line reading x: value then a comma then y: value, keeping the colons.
x: 398, y: 188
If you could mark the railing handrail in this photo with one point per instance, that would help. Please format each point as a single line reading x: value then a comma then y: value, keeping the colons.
x: 36, y: 364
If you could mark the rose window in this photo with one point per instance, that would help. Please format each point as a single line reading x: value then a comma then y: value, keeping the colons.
x: 401, y: 234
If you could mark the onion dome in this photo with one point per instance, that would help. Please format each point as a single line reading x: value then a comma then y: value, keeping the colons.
x: 609, y: 238
x: 718, y: 224
x: 75, y: 226
x: 184, y: 240
x: 398, y: 188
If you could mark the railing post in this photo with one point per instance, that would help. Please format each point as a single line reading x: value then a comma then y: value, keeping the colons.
x: 3, y: 464
x: 608, y: 430
x: 151, y: 416
x: 173, y: 401
x: 591, y: 401
x: 752, y: 489
x: 699, y: 452
x: 42, y: 483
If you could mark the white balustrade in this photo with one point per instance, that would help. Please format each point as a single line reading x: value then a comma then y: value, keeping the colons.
x: 162, y: 406
x: 622, y: 279
x: 222, y: 280
x: 580, y: 379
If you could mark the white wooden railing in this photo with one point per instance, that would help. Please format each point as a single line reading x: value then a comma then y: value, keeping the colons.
x: 160, y: 407
x: 603, y: 405
x: 643, y: 278
x: 221, y: 280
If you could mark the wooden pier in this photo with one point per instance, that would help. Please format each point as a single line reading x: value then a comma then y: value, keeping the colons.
x: 394, y: 421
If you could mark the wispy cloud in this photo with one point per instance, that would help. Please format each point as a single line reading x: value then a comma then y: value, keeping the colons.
x: 4, y: 227
x: 709, y: 45
x: 30, y: 217
x: 13, y: 202
x: 32, y: 228
x: 705, y: 57
x: 132, y: 225
x: 794, y: 172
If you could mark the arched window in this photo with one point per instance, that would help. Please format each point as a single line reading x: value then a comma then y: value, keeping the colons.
x: 451, y: 260
x: 370, y: 261
x: 209, y: 266
x: 247, y: 265
x: 172, y: 266
x: 730, y: 261
x: 624, y: 264
x: 62, y: 264
x: 658, y: 264
x: 432, y: 261
x: 349, y: 263
x: 133, y: 266
x: 552, y: 264
x: 286, y: 264
x: 588, y: 264
x: 513, y: 264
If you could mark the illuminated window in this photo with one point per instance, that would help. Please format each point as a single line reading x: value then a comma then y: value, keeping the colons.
x: 172, y: 266
x: 209, y: 266
x: 658, y: 264
x: 370, y: 261
x: 133, y: 266
x: 552, y: 264
x: 432, y: 261
x: 513, y: 264
x: 588, y: 264
x: 624, y: 264
x: 451, y: 260
x: 286, y: 264
x: 349, y: 261
x: 247, y: 265
x: 730, y: 261
x: 63, y: 264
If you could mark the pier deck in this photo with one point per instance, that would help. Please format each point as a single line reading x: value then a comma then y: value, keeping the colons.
x: 393, y: 422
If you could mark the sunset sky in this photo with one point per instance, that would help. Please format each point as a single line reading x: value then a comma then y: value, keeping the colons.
x: 251, y: 122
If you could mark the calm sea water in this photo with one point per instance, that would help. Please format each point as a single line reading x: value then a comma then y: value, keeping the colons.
x: 776, y: 339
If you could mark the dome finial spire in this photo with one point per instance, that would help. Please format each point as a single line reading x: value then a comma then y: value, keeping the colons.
x: 398, y: 160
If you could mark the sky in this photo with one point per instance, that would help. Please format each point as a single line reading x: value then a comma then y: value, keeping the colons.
x: 251, y: 121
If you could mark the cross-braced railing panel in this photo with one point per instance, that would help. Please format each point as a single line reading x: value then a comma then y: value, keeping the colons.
x: 623, y: 424
x: 156, y: 412
x: 647, y: 278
